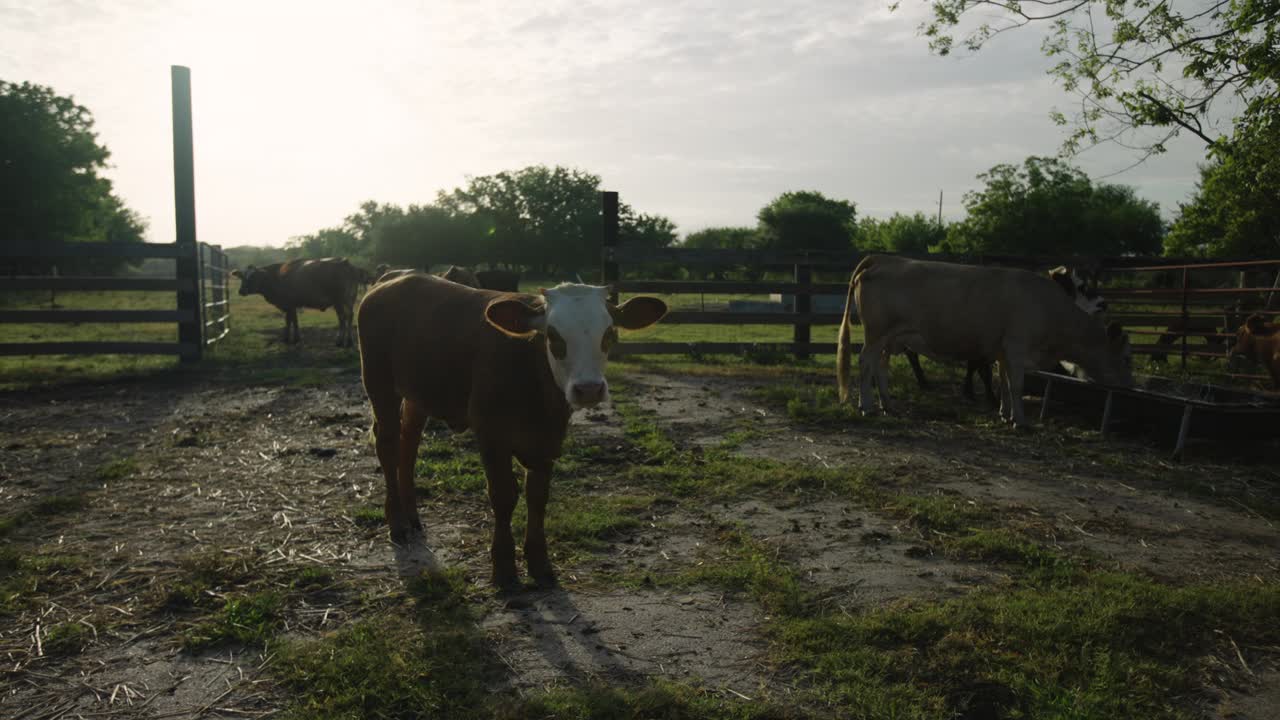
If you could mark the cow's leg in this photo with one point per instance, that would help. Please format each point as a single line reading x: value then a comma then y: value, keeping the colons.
x: 502, y: 497
x: 868, y: 361
x: 537, y: 488
x: 914, y: 359
x: 1005, y: 402
x: 967, y: 389
x: 882, y: 378
x: 984, y: 372
x: 386, y: 431
x: 292, y: 334
x: 1015, y: 372
x: 412, y: 420
x: 343, y: 324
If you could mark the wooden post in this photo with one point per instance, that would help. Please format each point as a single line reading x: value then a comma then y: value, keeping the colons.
x: 184, y: 199
x: 1183, y: 429
x: 609, y: 243
x: 804, y: 305
x: 1186, y: 319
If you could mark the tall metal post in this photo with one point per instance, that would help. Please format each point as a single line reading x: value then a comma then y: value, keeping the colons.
x: 609, y: 243
x: 184, y: 200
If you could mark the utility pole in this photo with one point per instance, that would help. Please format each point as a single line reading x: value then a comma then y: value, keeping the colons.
x: 939, y: 208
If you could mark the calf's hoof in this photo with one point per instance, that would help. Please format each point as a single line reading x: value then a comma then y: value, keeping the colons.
x: 506, y: 579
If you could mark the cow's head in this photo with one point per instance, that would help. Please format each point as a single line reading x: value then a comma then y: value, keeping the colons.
x: 1249, y: 333
x: 250, y: 280
x: 1078, y: 289
x: 580, y: 325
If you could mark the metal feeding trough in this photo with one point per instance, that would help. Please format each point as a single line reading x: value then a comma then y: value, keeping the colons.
x: 1202, y: 410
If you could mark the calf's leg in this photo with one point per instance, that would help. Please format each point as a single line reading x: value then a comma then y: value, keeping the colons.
x: 537, y: 488
x: 412, y: 420
x: 502, y: 497
x: 914, y: 359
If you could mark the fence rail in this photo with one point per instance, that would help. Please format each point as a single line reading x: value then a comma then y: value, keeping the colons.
x: 190, y: 321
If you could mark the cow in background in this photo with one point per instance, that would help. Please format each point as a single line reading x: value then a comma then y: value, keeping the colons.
x: 961, y: 312
x: 1075, y: 287
x: 1259, y: 341
x: 455, y: 274
x: 319, y: 284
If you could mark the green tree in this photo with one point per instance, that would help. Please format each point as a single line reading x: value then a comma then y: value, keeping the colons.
x: 1236, y: 209
x: 51, y: 189
x: 1046, y: 207
x: 807, y: 220
x: 724, y: 238
x: 427, y: 235
x: 1137, y: 64
x: 915, y: 233
x: 328, y: 242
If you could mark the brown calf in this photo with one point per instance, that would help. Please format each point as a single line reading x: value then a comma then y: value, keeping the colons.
x: 1259, y: 340
x: 318, y: 284
x: 512, y: 368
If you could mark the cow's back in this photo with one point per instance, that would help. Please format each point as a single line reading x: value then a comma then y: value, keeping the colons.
x: 963, y: 311
x: 318, y: 284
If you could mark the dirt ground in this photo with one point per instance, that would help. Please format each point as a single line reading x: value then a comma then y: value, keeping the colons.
x: 273, y: 477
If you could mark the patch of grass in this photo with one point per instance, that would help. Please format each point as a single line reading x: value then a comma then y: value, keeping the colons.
x: 313, y: 577
x: 662, y: 699
x: 448, y: 464
x: 588, y: 523
x: 25, y: 579
x: 66, y: 638
x: 246, y: 619
x: 203, y: 578
x: 368, y: 516
x: 1108, y: 646
x: 437, y: 664
x: 117, y: 469
x: 751, y: 567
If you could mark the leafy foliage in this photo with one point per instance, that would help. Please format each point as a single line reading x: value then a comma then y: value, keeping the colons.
x: 1136, y: 63
x: 807, y: 220
x: 1047, y: 207
x: 900, y: 234
x: 1236, y: 209
x: 51, y: 189
x: 723, y: 238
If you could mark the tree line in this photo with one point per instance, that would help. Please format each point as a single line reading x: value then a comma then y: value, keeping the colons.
x: 548, y: 219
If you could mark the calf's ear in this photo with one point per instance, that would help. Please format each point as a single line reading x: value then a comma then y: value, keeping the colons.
x: 515, y: 318
x: 638, y: 312
x: 1256, y: 324
x: 236, y: 274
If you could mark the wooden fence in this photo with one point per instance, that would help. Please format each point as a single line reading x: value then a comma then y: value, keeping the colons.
x: 1128, y: 304
x: 201, y: 312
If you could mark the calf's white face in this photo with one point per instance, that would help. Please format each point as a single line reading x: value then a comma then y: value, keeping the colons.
x: 580, y: 326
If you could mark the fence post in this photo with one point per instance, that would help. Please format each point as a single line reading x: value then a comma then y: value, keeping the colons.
x: 1186, y: 319
x: 609, y: 243
x: 804, y: 305
x: 190, y: 332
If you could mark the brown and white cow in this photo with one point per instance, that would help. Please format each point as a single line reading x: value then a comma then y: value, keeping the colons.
x: 1259, y: 341
x: 1085, y: 297
x: 510, y: 367
x: 962, y: 313
x: 318, y: 284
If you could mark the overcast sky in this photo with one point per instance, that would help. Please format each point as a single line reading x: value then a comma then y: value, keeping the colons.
x: 700, y: 111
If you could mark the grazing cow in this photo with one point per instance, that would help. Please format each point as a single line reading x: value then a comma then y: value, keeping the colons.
x: 962, y: 312
x: 1259, y: 341
x: 1085, y: 297
x: 318, y: 284
x: 510, y: 367
x: 502, y: 280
